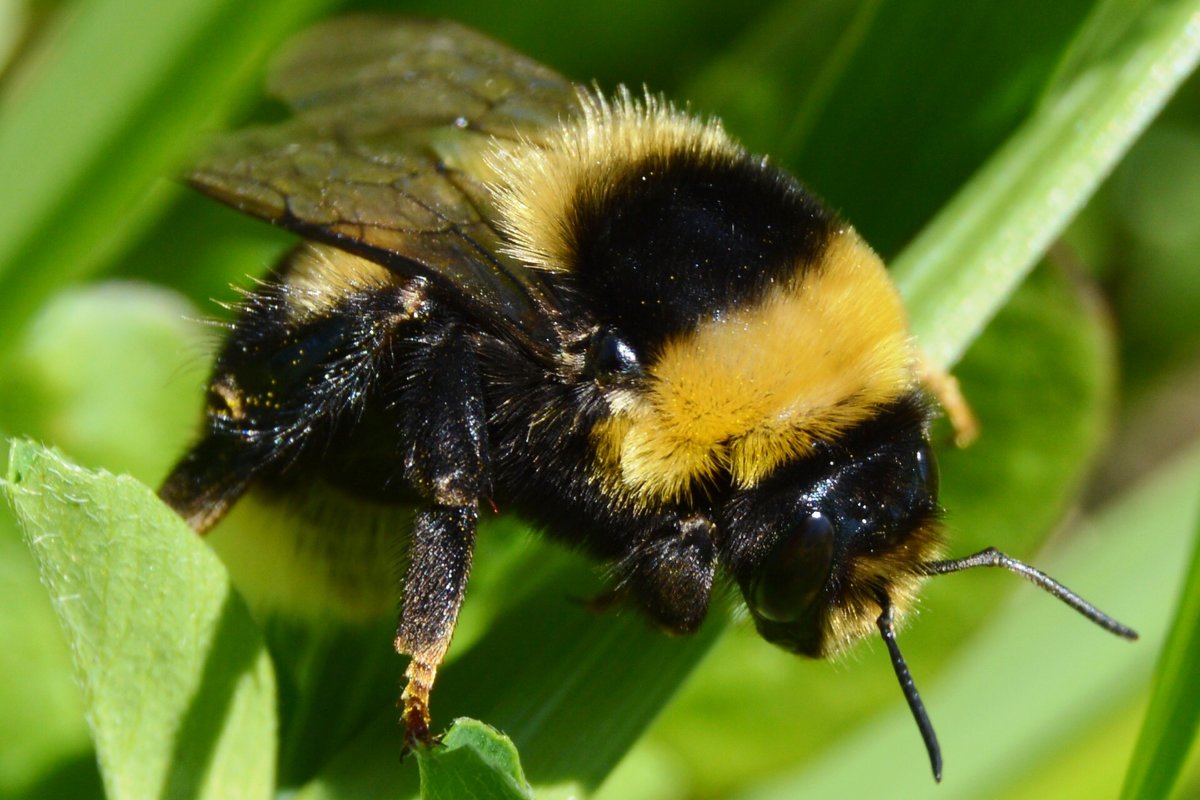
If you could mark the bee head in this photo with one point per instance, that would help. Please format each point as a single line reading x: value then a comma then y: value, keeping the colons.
x: 816, y: 545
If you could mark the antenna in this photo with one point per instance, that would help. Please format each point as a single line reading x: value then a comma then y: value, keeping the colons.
x: 991, y: 557
x: 888, y: 630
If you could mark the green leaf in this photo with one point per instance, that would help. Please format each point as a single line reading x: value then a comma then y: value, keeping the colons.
x: 179, y: 690
x: 1174, y: 714
x: 65, y: 383
x: 40, y: 703
x: 473, y: 760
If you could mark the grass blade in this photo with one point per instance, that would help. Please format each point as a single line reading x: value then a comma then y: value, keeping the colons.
x: 1173, y: 717
x: 964, y: 265
x: 112, y: 108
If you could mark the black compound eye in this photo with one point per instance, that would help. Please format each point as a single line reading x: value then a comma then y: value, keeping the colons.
x: 792, y: 576
x: 927, y: 470
x: 610, y: 356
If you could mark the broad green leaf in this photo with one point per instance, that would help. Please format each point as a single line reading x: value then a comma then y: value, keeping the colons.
x: 598, y: 679
x: 1043, y: 673
x: 473, y: 760
x: 179, y: 690
x: 124, y: 399
x: 41, y: 707
x: 1173, y: 718
x: 1150, y: 248
x: 113, y: 104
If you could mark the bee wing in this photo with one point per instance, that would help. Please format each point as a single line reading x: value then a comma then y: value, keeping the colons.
x: 383, y: 156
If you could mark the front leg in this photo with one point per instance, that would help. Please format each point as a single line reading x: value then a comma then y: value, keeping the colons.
x: 446, y: 435
x: 670, y: 573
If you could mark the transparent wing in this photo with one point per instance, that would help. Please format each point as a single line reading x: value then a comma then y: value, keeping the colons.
x: 383, y: 155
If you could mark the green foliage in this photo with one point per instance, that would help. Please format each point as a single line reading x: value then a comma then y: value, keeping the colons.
x: 115, y: 106
x: 473, y: 761
x: 1174, y: 712
x: 959, y: 138
x: 179, y: 690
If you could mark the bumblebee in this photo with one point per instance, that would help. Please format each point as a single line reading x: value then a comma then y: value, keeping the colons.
x: 599, y: 313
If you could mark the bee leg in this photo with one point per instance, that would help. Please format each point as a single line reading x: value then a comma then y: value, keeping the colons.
x: 944, y: 387
x: 440, y: 560
x: 445, y: 427
x: 671, y: 575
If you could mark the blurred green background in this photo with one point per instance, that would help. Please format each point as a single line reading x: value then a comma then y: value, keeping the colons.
x: 1086, y: 384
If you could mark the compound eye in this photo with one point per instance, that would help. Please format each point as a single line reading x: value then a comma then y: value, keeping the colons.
x: 792, y: 576
x: 611, y: 356
x: 927, y: 470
